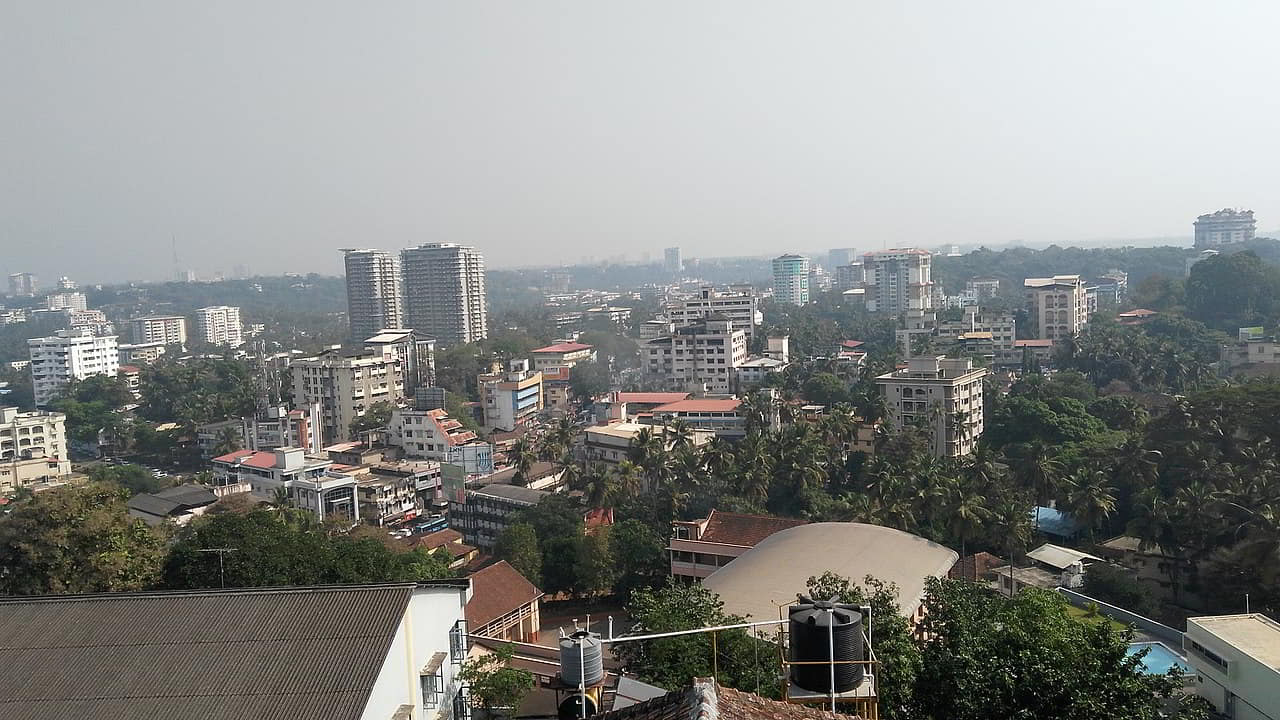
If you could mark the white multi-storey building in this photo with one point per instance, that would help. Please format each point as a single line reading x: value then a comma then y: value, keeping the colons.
x: 898, y: 281
x: 374, y: 294
x: 739, y: 305
x: 22, y: 285
x: 791, y: 279
x: 66, y: 356
x: 444, y: 292
x: 308, y: 480
x: 1224, y: 227
x: 943, y: 395
x: 703, y: 356
x: 66, y: 301
x: 1236, y: 659
x: 220, y: 325
x: 1060, y: 305
x: 168, y: 329
x: 33, y: 449
x: 1001, y: 326
x: 982, y: 288
x: 345, y: 385
x: 672, y: 260
x: 510, y: 399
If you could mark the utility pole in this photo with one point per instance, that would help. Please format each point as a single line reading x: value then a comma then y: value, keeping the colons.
x: 222, y: 553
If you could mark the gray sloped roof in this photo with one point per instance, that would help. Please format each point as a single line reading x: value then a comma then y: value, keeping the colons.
x: 171, y: 500
x: 264, y: 653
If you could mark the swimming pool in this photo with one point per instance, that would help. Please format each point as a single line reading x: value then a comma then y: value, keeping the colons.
x: 1159, y: 659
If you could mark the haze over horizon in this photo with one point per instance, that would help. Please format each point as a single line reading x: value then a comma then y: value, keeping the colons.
x: 270, y: 135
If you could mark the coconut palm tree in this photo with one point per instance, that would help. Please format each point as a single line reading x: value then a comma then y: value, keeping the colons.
x: 630, y: 478
x: 599, y: 488
x: 1011, y: 526
x: 228, y: 441
x: 523, y: 456
x: 1090, y: 500
x: 968, y: 515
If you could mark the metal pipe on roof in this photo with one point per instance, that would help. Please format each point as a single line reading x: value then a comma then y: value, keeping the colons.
x: 655, y: 636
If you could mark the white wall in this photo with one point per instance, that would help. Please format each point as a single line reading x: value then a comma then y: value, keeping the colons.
x: 424, y: 631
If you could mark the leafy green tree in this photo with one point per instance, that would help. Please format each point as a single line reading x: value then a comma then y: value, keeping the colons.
x: 990, y: 655
x: 588, y: 380
x: 595, y: 568
x: 197, y: 391
x: 133, y: 478
x: 557, y: 522
x: 1233, y: 290
x: 1119, y: 587
x: 640, y: 556
x: 90, y: 406
x: 273, y: 549
x: 518, y: 545
x: 375, y: 418
x: 18, y: 390
x: 77, y: 539
x: 492, y: 682
x: 743, y: 661
x: 826, y: 389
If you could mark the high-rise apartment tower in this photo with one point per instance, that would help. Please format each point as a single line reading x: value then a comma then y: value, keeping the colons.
x: 374, y: 297
x: 444, y: 292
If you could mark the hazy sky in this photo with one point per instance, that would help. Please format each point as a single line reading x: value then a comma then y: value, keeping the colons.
x: 272, y: 133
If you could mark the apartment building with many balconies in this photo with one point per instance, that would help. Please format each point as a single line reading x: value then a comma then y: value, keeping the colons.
x: 898, y: 281
x: 739, y: 305
x: 444, y: 295
x: 66, y: 356
x: 220, y: 325
x: 167, y: 329
x: 1060, y: 305
x: 704, y: 356
x: 374, y: 291
x: 33, y: 449
x: 345, y: 384
x: 941, y: 395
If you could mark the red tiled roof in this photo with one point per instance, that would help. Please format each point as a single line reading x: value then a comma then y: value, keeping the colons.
x: 1140, y: 312
x: 440, y: 537
x: 851, y: 343
x: 129, y: 369
x: 700, y: 405
x: 256, y: 459
x: 562, y: 348
x: 974, y: 567
x: 653, y: 398
x: 496, y: 591
x: 742, y: 529
x: 233, y: 456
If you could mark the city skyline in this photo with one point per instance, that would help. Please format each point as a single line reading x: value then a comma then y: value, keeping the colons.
x: 837, y: 126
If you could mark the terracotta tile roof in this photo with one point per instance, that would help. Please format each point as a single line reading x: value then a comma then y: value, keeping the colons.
x: 974, y: 567
x: 742, y: 529
x: 700, y: 405
x: 431, y: 541
x: 706, y: 700
x: 233, y: 456
x: 562, y: 348
x: 496, y: 591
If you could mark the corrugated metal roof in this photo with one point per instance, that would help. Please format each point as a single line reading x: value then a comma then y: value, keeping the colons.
x: 1059, y: 557
x: 265, y: 653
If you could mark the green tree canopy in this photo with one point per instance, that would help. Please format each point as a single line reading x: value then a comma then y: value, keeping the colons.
x: 283, y: 548
x: 197, y: 391
x: 518, y: 545
x: 77, y: 539
x: 993, y: 656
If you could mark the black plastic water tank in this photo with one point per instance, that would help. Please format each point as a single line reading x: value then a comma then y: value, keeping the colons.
x: 816, y: 628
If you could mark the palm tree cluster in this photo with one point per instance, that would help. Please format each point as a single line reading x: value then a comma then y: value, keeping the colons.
x: 1168, y: 354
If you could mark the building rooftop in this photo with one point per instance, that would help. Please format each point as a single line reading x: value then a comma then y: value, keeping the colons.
x: 537, y: 471
x: 218, y: 654
x: 497, y: 590
x: 762, y: 362
x: 1052, y: 521
x: 1046, y: 282
x: 770, y: 574
x: 171, y: 500
x: 653, y: 398
x: 742, y: 529
x: 708, y: 700
x: 700, y: 405
x: 1033, y: 343
x: 566, y: 347
x: 265, y: 459
x: 513, y: 492
x: 1060, y: 557
x: 1254, y: 634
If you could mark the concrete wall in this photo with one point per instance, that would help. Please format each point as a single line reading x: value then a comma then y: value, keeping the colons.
x: 1157, y: 630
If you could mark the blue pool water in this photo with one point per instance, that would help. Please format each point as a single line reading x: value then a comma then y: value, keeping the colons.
x: 1159, y: 659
